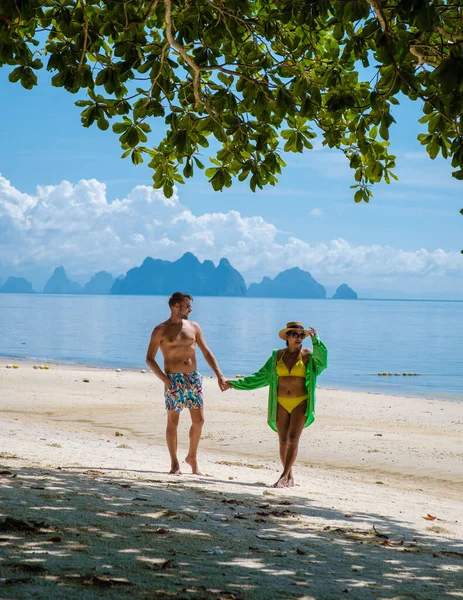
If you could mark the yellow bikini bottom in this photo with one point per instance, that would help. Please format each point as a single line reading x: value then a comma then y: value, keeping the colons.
x: 290, y: 404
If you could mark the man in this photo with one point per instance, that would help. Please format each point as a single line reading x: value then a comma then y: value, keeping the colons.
x: 177, y: 339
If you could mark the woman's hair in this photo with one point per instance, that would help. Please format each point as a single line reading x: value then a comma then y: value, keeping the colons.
x: 178, y: 298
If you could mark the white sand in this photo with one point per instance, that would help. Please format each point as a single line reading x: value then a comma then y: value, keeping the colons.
x: 368, y: 460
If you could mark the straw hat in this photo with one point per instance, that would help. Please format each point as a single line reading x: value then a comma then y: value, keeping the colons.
x: 292, y: 326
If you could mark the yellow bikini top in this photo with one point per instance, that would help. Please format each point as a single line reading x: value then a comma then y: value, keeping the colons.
x: 299, y: 369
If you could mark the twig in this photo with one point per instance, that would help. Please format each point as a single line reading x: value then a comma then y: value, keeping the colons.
x: 148, y: 15
x: 164, y: 48
x: 84, y: 45
x: 450, y: 36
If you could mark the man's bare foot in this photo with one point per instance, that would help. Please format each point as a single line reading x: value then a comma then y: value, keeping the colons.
x: 193, y: 464
x: 282, y: 482
x: 290, y: 481
x: 175, y: 470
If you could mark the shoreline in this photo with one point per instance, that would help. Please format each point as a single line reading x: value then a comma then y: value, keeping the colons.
x: 443, y: 396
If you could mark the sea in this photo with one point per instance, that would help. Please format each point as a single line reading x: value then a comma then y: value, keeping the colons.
x: 402, y: 347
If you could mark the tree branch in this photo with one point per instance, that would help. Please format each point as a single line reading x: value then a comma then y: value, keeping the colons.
x: 422, y: 58
x: 377, y: 7
x: 414, y: 48
x: 450, y: 36
x: 181, y: 50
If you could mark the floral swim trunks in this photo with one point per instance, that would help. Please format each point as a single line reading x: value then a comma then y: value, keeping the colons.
x: 185, y: 391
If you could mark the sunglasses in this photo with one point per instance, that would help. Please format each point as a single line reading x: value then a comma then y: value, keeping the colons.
x: 296, y: 335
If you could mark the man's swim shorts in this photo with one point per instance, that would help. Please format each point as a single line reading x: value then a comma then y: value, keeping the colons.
x: 185, y: 391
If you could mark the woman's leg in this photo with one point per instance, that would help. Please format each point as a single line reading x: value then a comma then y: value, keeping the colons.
x: 295, y: 426
x: 283, y: 418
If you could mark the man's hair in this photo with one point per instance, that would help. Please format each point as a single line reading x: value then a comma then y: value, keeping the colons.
x: 178, y: 298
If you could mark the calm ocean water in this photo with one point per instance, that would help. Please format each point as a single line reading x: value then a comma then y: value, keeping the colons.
x: 364, y: 337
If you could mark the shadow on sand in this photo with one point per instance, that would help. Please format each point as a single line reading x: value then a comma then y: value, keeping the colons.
x: 72, y: 535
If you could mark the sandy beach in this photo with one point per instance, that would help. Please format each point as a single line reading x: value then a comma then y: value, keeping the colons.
x: 87, y: 507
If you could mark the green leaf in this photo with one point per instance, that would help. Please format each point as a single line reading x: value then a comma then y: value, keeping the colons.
x: 120, y: 127
x: 144, y: 127
x: 433, y: 148
x: 15, y: 75
x: 136, y: 157
x: 188, y: 170
x: 384, y: 131
x: 102, y: 123
x: 377, y: 170
x: 168, y: 189
x: 290, y: 144
x: 133, y: 137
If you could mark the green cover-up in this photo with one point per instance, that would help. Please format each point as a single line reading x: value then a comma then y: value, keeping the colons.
x: 267, y: 375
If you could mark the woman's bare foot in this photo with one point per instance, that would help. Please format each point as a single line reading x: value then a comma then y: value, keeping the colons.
x: 175, y: 470
x: 282, y: 482
x: 193, y: 464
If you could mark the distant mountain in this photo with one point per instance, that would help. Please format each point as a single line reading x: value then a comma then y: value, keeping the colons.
x: 293, y: 283
x: 59, y: 283
x: 225, y: 281
x: 344, y: 292
x: 148, y: 279
x: 190, y: 273
x: 100, y: 283
x: 117, y: 285
x: 162, y: 277
x: 16, y: 285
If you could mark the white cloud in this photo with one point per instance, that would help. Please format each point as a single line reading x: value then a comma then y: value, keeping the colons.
x: 76, y: 225
x: 316, y: 212
x: 137, y: 237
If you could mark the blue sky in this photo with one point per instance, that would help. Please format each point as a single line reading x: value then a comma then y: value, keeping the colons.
x: 405, y: 243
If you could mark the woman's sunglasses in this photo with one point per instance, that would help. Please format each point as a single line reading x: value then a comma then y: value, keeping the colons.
x: 296, y: 335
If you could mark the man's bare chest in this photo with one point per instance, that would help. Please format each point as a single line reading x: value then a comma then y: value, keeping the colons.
x: 178, y: 336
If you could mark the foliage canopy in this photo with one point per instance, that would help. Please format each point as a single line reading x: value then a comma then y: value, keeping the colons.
x: 259, y: 76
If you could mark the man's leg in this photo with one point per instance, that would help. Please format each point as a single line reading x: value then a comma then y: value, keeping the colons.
x: 173, y: 418
x: 296, y: 424
x: 197, y: 422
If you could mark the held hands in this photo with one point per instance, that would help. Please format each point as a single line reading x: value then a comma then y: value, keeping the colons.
x: 224, y: 384
x: 221, y: 381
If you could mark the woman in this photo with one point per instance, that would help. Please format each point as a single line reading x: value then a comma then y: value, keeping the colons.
x: 291, y: 374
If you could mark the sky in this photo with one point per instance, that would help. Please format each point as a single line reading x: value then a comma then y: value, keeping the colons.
x: 67, y: 198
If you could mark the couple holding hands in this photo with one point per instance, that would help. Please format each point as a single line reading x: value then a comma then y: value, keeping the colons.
x: 290, y: 373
